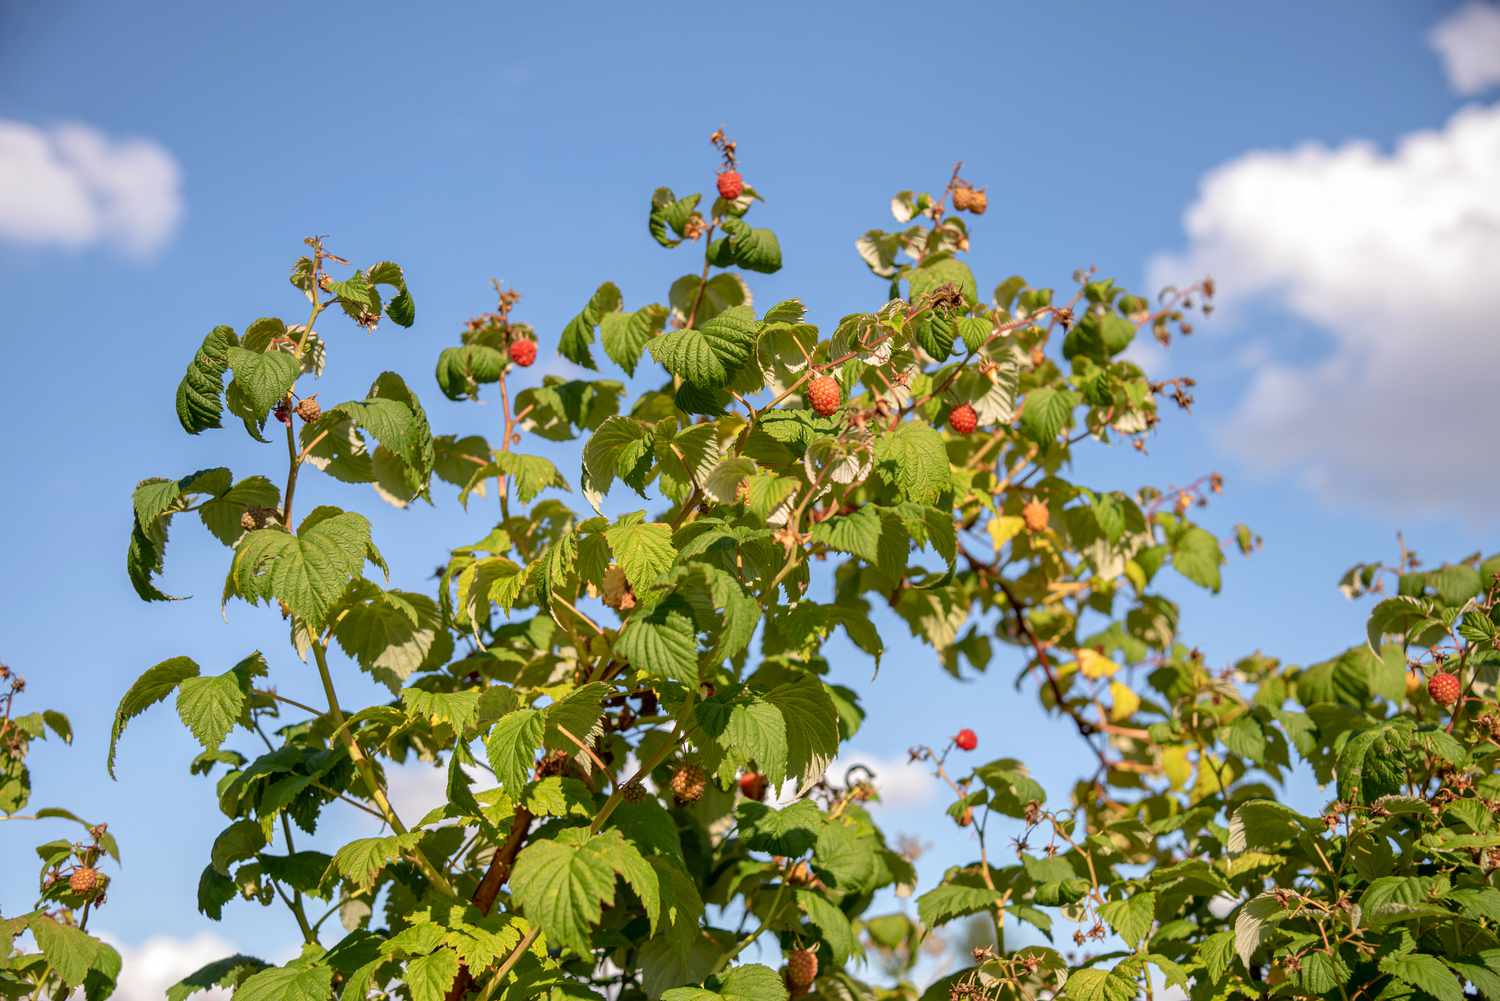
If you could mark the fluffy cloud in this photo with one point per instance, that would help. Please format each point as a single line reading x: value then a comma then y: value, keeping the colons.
x: 73, y: 186
x: 1468, y: 40
x: 1392, y: 254
x: 148, y: 969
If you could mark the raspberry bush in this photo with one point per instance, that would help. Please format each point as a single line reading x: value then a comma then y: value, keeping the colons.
x: 47, y: 951
x: 624, y: 674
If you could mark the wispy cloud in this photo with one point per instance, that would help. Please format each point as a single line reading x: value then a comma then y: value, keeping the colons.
x: 74, y: 186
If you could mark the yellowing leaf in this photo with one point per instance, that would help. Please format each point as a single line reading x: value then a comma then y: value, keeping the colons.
x: 1123, y: 701
x: 1174, y: 761
x: 1003, y: 528
x: 1095, y: 665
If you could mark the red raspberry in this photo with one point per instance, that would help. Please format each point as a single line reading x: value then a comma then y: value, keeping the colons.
x: 801, y: 969
x: 731, y: 185
x: 1444, y: 688
x: 823, y: 394
x: 966, y: 739
x: 753, y: 786
x: 963, y: 419
x: 523, y: 352
x: 283, y: 412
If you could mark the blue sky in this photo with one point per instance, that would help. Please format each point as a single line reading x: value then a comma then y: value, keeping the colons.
x: 1268, y: 142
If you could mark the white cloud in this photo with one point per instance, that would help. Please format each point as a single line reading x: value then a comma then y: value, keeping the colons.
x: 1393, y: 255
x: 1468, y: 40
x: 900, y: 782
x: 416, y: 788
x: 73, y: 186
x: 148, y: 969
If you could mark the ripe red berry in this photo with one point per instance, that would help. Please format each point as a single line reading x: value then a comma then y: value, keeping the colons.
x: 753, y: 786
x: 1444, y: 688
x: 966, y: 739
x: 823, y: 394
x: 963, y: 419
x: 801, y: 969
x: 523, y: 352
x: 731, y: 185
x: 283, y: 412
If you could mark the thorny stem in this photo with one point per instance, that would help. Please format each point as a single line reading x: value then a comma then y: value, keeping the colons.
x: 367, y: 772
x: 294, y: 459
x: 294, y: 903
x: 647, y: 767
x: 708, y: 239
x: 760, y: 929
x: 501, y: 486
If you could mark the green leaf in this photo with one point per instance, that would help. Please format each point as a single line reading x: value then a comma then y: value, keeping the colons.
x: 1197, y: 556
x: 458, y: 709
x: 937, y: 270
x: 149, y: 689
x: 750, y: 248
x: 512, y: 745
x: 644, y: 550
x: 70, y: 950
x: 693, y: 298
x: 563, y: 884
x: 288, y: 983
x: 392, y: 634
x: 1250, y: 922
x: 156, y: 500
x: 1426, y: 973
x: 831, y: 922
x: 401, y: 309
x: 211, y: 706
x: 309, y: 571
x: 619, y: 446
x: 711, y: 354
x: 579, y: 333
x: 429, y: 977
x: 462, y: 370
x: 625, y: 335
x: 1131, y: 917
x: 222, y: 514
x: 812, y: 730
x: 240, y: 840
x: 226, y: 972
x: 662, y: 643
x: 1094, y: 984
x: 578, y: 713
x: 752, y: 729
x: 200, y: 394
x: 531, y: 474
x: 1045, y: 411
x: 752, y: 982
x: 914, y: 460
x: 953, y: 899
x: 262, y: 379
x: 667, y: 210
x: 361, y: 861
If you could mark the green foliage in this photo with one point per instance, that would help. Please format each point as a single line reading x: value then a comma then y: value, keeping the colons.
x: 60, y: 956
x: 612, y: 695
